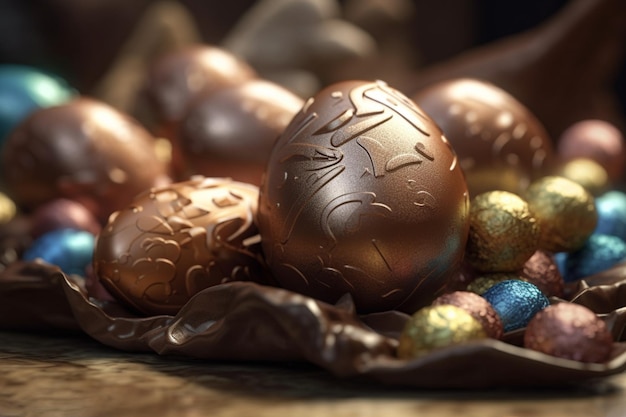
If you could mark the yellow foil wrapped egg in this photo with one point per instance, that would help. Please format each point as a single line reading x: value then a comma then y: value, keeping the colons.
x: 503, y: 233
x: 586, y: 172
x: 436, y: 327
x: 565, y: 211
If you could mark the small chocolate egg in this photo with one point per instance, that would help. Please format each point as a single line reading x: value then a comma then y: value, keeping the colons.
x: 24, y: 89
x: 542, y: 270
x: 478, y: 308
x: 516, y: 302
x: 69, y: 249
x: 83, y: 150
x: 436, y: 327
x: 587, y: 173
x: 231, y: 132
x: 611, y: 208
x: 174, y: 241
x: 565, y: 211
x: 480, y: 284
x: 363, y: 196
x: 62, y: 213
x: 599, y: 253
x: 503, y: 233
x: 501, y: 145
x: 570, y: 331
x: 598, y: 140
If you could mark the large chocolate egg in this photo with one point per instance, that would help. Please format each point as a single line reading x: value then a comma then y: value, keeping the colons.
x: 501, y: 145
x: 231, y: 132
x: 82, y: 150
x: 363, y: 195
x: 175, y: 241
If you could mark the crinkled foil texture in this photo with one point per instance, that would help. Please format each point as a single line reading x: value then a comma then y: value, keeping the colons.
x: 249, y: 322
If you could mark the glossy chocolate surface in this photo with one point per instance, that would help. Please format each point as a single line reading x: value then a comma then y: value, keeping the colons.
x: 83, y: 150
x: 364, y: 195
x: 175, y: 241
x: 501, y: 145
x: 231, y: 132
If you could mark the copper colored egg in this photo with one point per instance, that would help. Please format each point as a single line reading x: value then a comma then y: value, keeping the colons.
x: 436, y: 327
x: 569, y: 331
x: 501, y: 145
x: 565, y: 211
x: 503, y: 232
x: 363, y: 195
x: 175, y: 241
x: 231, y: 132
x: 598, y: 140
x: 82, y: 150
x: 478, y: 308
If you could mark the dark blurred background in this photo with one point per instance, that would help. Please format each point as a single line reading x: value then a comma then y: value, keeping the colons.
x: 79, y: 40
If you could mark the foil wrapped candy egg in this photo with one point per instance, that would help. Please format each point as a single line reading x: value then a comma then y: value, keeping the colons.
x: 503, y: 232
x: 175, y: 241
x: 363, y: 195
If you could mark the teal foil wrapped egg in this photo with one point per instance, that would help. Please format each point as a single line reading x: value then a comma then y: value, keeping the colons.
x: 69, y: 249
x: 600, y: 252
x: 611, y: 208
x: 516, y: 302
x: 24, y: 89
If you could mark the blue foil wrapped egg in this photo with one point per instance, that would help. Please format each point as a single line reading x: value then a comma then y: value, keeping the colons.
x: 69, y: 249
x: 611, y: 208
x: 516, y: 302
x: 600, y: 252
x: 24, y: 89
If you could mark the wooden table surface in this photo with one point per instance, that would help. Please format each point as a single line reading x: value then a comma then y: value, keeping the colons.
x: 70, y: 376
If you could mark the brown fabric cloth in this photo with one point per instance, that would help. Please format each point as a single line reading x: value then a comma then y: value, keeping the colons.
x: 249, y: 322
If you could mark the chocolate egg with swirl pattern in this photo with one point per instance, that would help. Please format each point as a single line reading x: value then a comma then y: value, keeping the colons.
x: 501, y: 145
x: 177, y: 240
x: 363, y: 195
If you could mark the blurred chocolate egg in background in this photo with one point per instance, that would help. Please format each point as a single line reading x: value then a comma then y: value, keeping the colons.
x: 501, y: 145
x: 231, y: 132
x: 597, y: 140
x: 82, y: 150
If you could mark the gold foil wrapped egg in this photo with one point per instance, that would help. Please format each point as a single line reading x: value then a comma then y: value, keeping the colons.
x: 586, y: 172
x: 482, y: 283
x: 503, y: 233
x: 436, y: 327
x: 565, y: 211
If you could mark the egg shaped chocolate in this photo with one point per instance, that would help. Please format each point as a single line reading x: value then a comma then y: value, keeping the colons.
x: 177, y: 240
x: 83, y: 150
x: 363, y: 195
x: 501, y: 145
x: 231, y: 132
x: 177, y: 77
